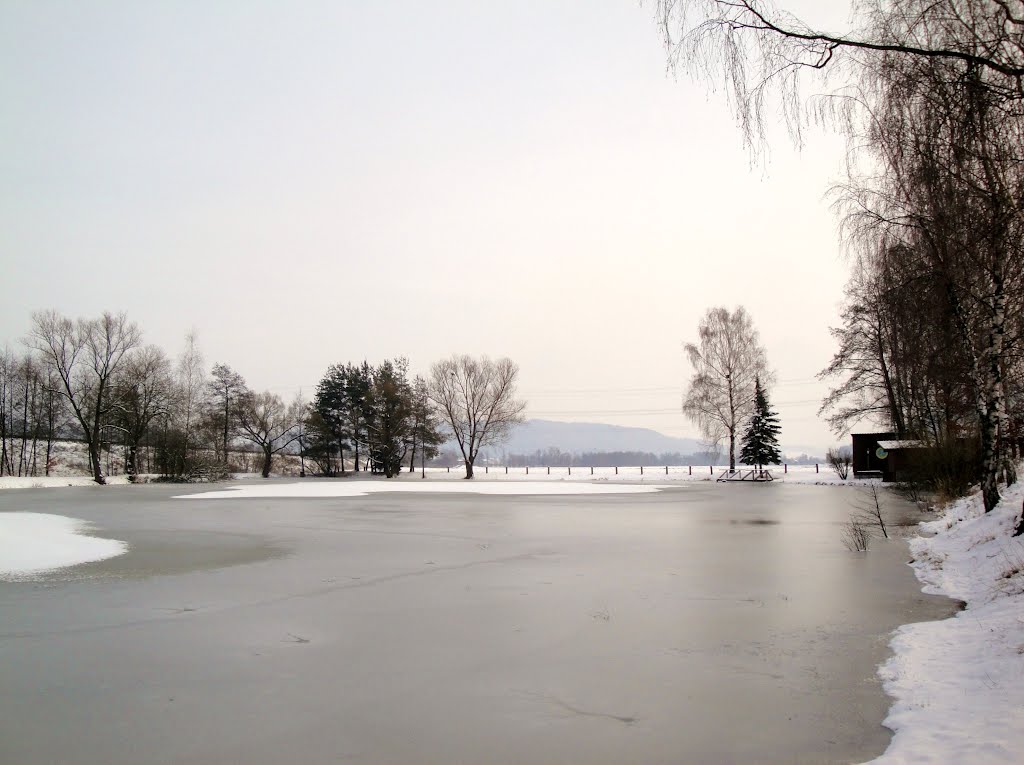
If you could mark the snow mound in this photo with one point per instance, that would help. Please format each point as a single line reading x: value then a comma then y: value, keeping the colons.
x: 31, y: 543
x: 322, y: 489
x: 958, y: 684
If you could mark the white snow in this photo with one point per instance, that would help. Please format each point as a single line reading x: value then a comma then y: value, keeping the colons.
x: 958, y: 684
x: 357, y: 488
x: 49, y: 482
x: 31, y: 543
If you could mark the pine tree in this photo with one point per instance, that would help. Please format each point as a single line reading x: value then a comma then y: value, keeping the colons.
x: 761, y: 441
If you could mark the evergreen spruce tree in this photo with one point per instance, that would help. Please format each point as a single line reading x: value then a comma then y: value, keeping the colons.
x: 760, y: 444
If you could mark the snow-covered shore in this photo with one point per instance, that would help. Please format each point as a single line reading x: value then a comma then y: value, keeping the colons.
x: 50, y: 482
x: 31, y: 543
x: 958, y: 684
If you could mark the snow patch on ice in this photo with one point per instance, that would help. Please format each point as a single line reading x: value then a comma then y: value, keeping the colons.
x: 31, y: 543
x: 958, y: 684
x: 322, y: 489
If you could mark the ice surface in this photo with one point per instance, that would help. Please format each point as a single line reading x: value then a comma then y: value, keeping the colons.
x: 356, y: 488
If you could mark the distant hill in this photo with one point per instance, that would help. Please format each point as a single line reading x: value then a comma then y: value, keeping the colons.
x: 579, y: 437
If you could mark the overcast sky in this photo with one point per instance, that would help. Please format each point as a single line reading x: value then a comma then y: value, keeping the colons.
x: 312, y: 182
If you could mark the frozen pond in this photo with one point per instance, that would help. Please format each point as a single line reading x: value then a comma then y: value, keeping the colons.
x: 702, y: 623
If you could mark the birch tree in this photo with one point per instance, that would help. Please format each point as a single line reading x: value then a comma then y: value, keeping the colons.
x: 191, y: 384
x: 727, y: 361
x: 477, y: 398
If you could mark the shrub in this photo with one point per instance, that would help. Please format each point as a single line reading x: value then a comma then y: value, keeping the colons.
x: 840, y: 459
x: 856, y: 536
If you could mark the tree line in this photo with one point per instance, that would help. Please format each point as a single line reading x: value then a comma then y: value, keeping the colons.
x: 93, y: 380
x: 930, y: 94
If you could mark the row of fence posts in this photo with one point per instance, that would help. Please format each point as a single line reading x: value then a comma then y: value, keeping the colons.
x: 487, y: 469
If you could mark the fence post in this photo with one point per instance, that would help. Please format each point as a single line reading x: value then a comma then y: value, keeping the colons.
x: 591, y: 469
x: 666, y: 469
x: 616, y: 470
x: 449, y: 468
x: 570, y: 469
x: 785, y: 468
x: 690, y: 468
x: 487, y: 469
x: 527, y: 469
x: 815, y: 467
x: 641, y: 470
x: 506, y: 469
x: 712, y: 469
x: 549, y: 470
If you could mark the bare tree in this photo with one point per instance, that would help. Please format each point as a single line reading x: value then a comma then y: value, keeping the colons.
x: 266, y: 421
x: 757, y: 51
x: 840, y: 461
x: 8, y: 381
x: 31, y: 410
x: 224, y: 389
x: 425, y: 434
x: 144, y: 390
x: 477, y: 397
x: 191, y: 381
x: 727, y: 361
x: 951, y: 195
x: 85, y: 355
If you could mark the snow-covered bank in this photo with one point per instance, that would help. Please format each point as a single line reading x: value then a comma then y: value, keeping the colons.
x: 806, y: 474
x: 958, y: 684
x: 34, y: 542
x: 49, y: 482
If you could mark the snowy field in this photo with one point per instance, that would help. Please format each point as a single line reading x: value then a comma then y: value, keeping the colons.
x: 74, y: 474
x: 31, y: 543
x: 822, y: 474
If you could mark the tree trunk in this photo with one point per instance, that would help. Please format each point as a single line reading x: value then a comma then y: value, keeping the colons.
x: 49, y: 451
x: 469, y: 469
x: 895, y: 413
x: 988, y: 424
x: 96, y: 462
x: 226, y: 413
x: 732, y: 450
x: 24, y: 433
x: 131, y: 462
x: 1003, y: 445
x: 268, y: 457
x: 993, y: 461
